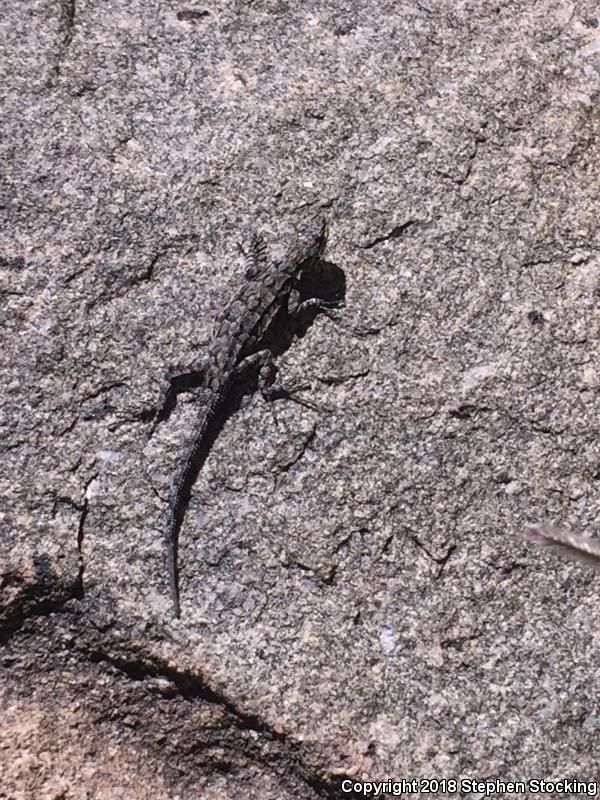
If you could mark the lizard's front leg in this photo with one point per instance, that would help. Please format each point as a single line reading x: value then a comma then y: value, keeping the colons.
x: 173, y: 381
x: 261, y: 362
x: 176, y: 378
x: 296, y: 307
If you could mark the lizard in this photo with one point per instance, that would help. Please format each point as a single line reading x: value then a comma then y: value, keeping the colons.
x: 234, y: 349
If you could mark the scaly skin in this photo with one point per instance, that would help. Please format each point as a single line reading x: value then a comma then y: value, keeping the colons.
x: 233, y: 349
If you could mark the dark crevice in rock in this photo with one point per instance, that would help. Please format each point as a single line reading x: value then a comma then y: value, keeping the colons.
x: 191, y: 14
x: 67, y: 22
x: 193, y: 730
x: 395, y: 233
x: 189, y: 686
x: 192, y: 687
x: 66, y: 29
x: 80, y: 537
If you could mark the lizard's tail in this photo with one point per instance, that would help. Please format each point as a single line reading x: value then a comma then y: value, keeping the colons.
x: 172, y: 548
x: 177, y: 510
x: 183, y: 487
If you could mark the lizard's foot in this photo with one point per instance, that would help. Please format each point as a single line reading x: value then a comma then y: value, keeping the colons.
x: 276, y: 391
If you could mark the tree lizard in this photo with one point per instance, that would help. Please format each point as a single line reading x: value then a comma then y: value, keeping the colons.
x: 269, y: 287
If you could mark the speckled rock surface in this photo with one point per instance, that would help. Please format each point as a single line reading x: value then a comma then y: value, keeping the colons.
x: 357, y: 596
